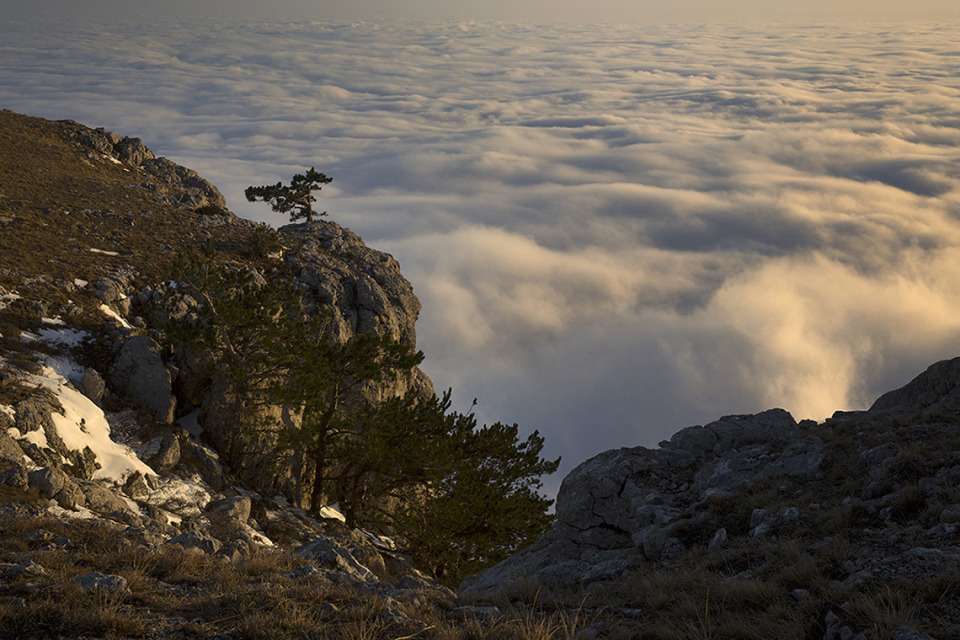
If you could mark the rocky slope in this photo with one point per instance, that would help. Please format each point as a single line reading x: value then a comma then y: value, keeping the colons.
x: 105, y: 432
x: 880, y: 484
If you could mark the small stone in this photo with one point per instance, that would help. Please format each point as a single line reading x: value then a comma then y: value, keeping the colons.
x: 719, y: 539
x: 94, y: 581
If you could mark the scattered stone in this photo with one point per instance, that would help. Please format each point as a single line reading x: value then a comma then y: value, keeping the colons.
x: 195, y: 540
x: 96, y: 581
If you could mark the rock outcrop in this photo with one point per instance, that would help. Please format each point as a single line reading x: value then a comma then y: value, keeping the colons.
x: 885, y: 478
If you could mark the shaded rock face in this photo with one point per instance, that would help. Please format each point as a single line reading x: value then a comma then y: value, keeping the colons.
x: 363, y: 291
x: 140, y: 374
x: 625, y: 506
x: 939, y: 386
x: 176, y: 185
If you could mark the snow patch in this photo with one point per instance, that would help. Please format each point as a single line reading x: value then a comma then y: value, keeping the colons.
x: 66, y: 337
x: 8, y: 298
x: 102, y: 252
x: 191, y: 423
x: 37, y: 437
x: 116, y: 316
x: 57, y: 321
x: 65, y: 367
x: 82, y: 424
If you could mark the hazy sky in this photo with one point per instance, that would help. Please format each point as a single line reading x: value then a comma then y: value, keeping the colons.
x: 538, y: 11
x: 616, y: 231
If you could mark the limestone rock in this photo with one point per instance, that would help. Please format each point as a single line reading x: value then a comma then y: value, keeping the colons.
x: 14, y: 476
x: 48, y: 481
x: 195, y: 540
x: 96, y: 581
x: 186, y: 187
x: 236, y: 509
x: 336, y: 558
x: 938, y: 385
x: 140, y: 374
x: 92, y: 385
x: 10, y: 451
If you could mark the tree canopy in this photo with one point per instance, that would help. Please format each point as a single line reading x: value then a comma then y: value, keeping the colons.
x: 295, y: 198
x: 458, y: 495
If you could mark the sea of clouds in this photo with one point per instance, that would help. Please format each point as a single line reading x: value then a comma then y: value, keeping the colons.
x: 615, y: 231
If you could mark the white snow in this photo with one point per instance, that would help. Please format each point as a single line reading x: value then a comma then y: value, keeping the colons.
x: 56, y: 320
x: 83, y: 424
x: 111, y: 159
x: 102, y: 252
x: 116, y: 316
x: 191, y: 423
x: 37, y: 437
x: 65, y: 367
x: 65, y: 337
x: 7, y: 298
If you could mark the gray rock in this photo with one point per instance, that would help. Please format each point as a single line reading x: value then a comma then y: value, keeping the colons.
x: 938, y: 385
x: 133, y: 151
x: 27, y: 569
x: 92, y: 385
x: 183, y: 187
x: 164, y: 452
x: 102, y: 500
x: 96, y: 581
x: 335, y: 557
x: 136, y: 486
x: 236, y: 509
x: 904, y: 632
x: 719, y: 540
x: 70, y: 497
x: 10, y: 451
x: 140, y: 374
x: 14, y: 476
x: 48, y: 481
x: 195, y: 540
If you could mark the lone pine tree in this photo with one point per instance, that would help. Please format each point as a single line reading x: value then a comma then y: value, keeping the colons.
x: 296, y: 198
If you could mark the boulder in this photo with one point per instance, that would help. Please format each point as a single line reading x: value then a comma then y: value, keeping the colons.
x: 196, y: 540
x: 337, y: 559
x: 939, y: 385
x: 10, y: 451
x: 96, y: 581
x: 133, y: 151
x: 236, y: 509
x: 48, y: 481
x: 140, y: 374
x: 14, y: 476
x: 92, y: 385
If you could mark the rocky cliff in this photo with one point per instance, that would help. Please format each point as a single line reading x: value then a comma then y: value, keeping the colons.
x: 760, y: 500
x: 108, y: 439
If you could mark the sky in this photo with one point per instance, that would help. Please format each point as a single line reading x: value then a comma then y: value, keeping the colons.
x: 616, y: 229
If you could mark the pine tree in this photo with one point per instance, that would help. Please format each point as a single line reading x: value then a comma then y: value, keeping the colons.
x: 296, y: 198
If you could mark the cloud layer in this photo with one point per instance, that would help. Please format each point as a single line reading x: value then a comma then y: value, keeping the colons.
x: 615, y: 231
